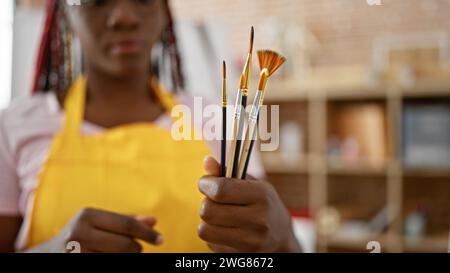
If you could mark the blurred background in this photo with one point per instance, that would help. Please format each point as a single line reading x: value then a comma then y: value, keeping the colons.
x: 364, y: 107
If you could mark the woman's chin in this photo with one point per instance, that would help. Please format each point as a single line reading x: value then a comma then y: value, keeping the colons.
x: 130, y: 68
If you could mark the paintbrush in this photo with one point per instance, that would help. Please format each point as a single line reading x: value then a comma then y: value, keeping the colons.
x: 223, y: 151
x: 239, y: 113
x: 269, y: 62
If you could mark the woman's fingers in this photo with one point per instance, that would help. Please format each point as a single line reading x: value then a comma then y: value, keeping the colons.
x: 222, y: 249
x: 106, y: 242
x: 227, y: 215
x: 123, y: 225
x: 231, y: 191
x: 230, y: 237
x: 148, y: 220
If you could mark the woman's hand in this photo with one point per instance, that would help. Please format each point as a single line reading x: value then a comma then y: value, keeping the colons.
x: 243, y: 215
x: 101, y: 231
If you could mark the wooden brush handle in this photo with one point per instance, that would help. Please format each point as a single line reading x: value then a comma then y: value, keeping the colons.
x: 240, y: 137
x: 250, y: 149
x: 232, y: 153
x: 251, y: 133
x: 223, y: 151
x: 249, y: 137
x: 247, y: 162
x: 235, y: 136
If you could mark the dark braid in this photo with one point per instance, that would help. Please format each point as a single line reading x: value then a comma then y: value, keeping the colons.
x: 172, y: 47
x: 43, y: 70
x: 54, y: 66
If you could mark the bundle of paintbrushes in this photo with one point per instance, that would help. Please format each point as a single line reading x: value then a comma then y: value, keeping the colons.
x: 241, y: 148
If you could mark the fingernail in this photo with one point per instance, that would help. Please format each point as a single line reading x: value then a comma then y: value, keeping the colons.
x: 209, y: 188
x: 205, y: 159
x: 159, y: 240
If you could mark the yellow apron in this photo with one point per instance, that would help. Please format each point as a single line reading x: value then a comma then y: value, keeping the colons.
x: 135, y: 169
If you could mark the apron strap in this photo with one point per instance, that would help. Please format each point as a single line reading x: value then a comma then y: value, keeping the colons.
x: 74, y: 104
x: 166, y: 98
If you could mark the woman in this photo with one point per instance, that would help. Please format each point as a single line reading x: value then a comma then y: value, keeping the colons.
x: 103, y: 175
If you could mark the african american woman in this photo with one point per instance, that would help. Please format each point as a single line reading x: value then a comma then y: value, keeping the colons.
x: 90, y: 158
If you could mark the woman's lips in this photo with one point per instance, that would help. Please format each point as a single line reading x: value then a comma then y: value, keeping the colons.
x: 128, y: 47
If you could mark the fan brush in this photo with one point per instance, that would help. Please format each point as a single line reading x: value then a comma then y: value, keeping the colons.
x: 269, y: 62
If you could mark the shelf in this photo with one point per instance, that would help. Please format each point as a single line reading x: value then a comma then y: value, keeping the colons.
x: 357, y: 171
x: 426, y: 173
x: 356, y: 242
x: 275, y: 163
x: 429, y: 88
x: 352, y: 83
x: 432, y: 244
x: 290, y: 90
x: 375, y: 180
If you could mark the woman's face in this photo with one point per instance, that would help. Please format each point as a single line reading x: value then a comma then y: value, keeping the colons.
x: 117, y: 35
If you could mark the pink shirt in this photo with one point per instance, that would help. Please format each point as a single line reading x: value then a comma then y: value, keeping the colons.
x: 27, y: 128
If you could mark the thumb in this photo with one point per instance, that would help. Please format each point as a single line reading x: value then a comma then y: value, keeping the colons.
x: 212, y: 167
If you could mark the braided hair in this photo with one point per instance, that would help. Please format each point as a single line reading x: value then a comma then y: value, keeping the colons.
x: 55, y: 60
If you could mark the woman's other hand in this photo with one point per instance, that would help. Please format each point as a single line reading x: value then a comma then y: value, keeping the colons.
x: 105, y: 232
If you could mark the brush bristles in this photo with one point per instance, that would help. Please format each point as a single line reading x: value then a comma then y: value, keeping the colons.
x: 252, y: 39
x: 270, y: 60
x: 224, y: 70
x: 224, y: 85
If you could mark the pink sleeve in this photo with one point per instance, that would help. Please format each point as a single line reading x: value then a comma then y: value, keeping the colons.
x: 9, y: 186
